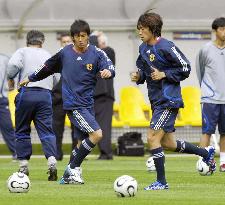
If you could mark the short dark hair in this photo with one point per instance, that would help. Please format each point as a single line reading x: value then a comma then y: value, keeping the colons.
x: 218, y: 22
x: 63, y: 34
x: 35, y: 37
x: 79, y: 26
x: 151, y: 20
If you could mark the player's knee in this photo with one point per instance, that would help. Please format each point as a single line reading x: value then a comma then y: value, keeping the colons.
x: 96, y: 136
x: 164, y: 144
x: 151, y: 139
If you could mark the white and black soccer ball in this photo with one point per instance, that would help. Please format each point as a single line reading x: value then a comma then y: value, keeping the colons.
x: 18, y: 182
x: 125, y: 186
x: 203, y: 169
x: 150, y: 164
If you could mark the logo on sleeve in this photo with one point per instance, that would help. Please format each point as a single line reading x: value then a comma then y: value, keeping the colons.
x: 89, y: 66
x: 152, y: 57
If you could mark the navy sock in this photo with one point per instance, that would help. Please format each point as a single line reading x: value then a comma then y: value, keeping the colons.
x: 73, y: 154
x: 84, y: 149
x: 159, y: 159
x: 189, y: 148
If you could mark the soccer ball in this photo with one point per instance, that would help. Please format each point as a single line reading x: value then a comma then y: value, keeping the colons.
x: 150, y: 164
x: 18, y: 182
x: 125, y: 186
x: 203, y: 169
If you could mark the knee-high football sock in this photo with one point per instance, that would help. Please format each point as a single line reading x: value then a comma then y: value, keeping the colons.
x: 159, y: 159
x: 189, y: 148
x: 73, y: 154
x: 84, y: 149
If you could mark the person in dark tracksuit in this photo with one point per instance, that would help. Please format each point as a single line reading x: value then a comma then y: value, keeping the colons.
x: 79, y: 64
x: 33, y: 103
x: 59, y: 114
x: 162, y: 65
x: 6, y: 127
x: 104, y: 98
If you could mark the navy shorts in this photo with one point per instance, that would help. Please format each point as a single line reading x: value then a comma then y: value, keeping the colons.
x: 84, y: 122
x: 164, y: 118
x: 213, y: 115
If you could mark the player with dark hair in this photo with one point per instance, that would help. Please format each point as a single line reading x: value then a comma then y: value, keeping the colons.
x: 79, y: 65
x: 162, y: 65
x: 33, y: 103
x: 210, y: 66
x: 59, y: 114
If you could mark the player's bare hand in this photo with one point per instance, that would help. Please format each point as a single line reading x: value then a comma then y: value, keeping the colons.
x: 156, y: 74
x: 105, y: 73
x: 24, y: 82
x: 134, y: 76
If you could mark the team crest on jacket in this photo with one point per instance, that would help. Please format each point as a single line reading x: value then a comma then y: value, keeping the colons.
x: 152, y: 57
x: 89, y: 66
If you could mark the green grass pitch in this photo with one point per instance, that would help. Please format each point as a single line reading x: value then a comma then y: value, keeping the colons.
x: 186, y: 185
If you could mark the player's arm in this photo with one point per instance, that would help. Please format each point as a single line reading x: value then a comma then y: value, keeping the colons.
x: 15, y: 65
x: 180, y: 66
x: 105, y: 65
x: 200, y: 66
x: 139, y: 76
x: 51, y: 66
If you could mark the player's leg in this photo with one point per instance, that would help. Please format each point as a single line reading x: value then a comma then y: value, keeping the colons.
x: 210, y: 116
x: 6, y: 126
x: 91, y: 133
x: 155, y: 135
x: 182, y: 146
x: 80, y: 136
x: 23, y: 118
x: 221, y: 128
x: 43, y: 125
x: 73, y: 138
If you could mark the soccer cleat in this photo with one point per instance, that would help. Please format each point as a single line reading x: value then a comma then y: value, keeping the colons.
x: 222, y: 168
x: 157, y: 186
x: 210, y: 159
x: 24, y: 169
x: 52, y: 171
x: 72, y: 176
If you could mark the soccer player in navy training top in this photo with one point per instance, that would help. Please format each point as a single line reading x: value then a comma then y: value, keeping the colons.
x: 79, y: 65
x: 162, y: 65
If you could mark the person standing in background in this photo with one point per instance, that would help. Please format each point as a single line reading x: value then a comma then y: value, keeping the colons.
x: 33, y: 103
x: 210, y: 67
x: 6, y: 127
x: 59, y: 114
x: 104, y: 98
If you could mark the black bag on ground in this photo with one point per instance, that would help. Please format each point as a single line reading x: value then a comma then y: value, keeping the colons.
x: 130, y: 144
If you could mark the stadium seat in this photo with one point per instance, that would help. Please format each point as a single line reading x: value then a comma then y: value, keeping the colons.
x: 131, y: 93
x: 116, y: 122
x: 191, y: 113
x: 132, y: 115
x: 133, y: 107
